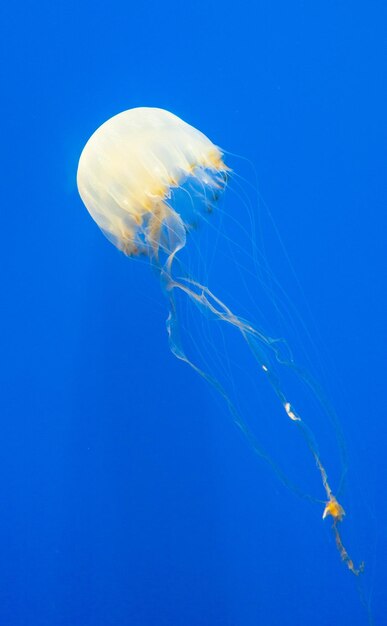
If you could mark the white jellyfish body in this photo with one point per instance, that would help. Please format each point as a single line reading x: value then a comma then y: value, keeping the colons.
x: 127, y: 176
x: 130, y: 165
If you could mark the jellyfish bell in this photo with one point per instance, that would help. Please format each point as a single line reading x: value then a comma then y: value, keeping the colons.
x: 129, y: 170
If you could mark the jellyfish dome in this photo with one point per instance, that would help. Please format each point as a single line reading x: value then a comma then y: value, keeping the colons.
x: 129, y: 169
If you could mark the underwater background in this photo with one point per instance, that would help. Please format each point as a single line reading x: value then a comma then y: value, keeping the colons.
x: 128, y: 497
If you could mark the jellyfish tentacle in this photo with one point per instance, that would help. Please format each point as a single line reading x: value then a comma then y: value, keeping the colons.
x: 202, y: 296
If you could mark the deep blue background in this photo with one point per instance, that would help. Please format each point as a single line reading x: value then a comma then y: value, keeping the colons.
x: 127, y: 497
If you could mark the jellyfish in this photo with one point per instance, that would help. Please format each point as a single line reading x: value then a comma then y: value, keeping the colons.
x: 132, y: 176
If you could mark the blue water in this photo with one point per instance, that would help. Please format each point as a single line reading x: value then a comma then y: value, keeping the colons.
x: 128, y: 498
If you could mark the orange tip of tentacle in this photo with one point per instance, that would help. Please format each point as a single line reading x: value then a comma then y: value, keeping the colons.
x: 334, y: 509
